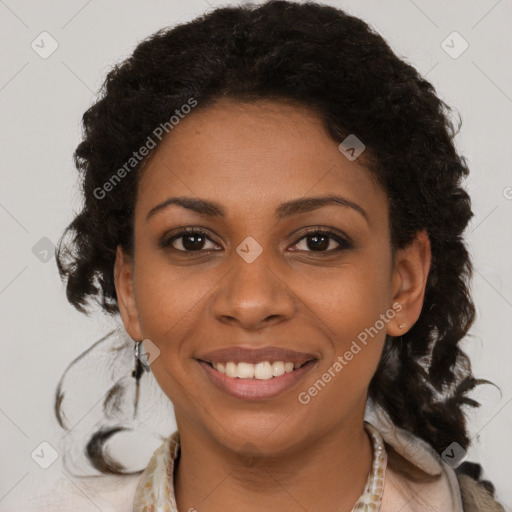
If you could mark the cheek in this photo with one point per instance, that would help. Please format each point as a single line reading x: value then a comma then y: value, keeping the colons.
x: 352, y: 298
x: 357, y: 334
x: 354, y: 310
x: 168, y: 305
x: 167, y: 294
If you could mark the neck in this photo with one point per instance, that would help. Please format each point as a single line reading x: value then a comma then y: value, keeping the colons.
x: 325, y: 473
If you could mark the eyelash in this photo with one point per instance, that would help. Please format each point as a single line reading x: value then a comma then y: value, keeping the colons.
x: 343, y: 243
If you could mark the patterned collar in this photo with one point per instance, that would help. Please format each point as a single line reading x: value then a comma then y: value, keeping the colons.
x: 155, y: 491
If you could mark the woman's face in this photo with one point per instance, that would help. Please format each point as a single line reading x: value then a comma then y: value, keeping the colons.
x: 256, y: 279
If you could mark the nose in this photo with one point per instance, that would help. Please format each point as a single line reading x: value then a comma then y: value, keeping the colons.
x: 253, y: 295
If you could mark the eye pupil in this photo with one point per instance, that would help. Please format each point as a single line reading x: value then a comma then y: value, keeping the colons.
x: 198, y: 239
x: 320, y: 241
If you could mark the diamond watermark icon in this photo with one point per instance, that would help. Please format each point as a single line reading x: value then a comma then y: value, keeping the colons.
x: 454, y: 455
x: 44, y: 45
x: 351, y: 147
x: 454, y: 45
x: 44, y: 250
x: 249, y: 249
x: 148, y: 353
x: 44, y: 455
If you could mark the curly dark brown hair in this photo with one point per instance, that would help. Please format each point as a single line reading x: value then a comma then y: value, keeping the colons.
x: 320, y: 57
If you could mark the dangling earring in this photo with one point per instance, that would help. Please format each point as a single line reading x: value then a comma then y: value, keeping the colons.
x: 137, y: 372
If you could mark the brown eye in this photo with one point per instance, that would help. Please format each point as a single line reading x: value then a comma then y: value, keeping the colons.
x: 190, y: 240
x: 322, y: 240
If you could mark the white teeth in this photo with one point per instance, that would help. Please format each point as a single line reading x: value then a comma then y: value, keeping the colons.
x: 263, y: 371
x: 245, y: 370
x: 231, y: 369
x: 278, y: 368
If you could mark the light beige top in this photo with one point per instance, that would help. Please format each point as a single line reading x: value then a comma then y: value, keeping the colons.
x: 155, y: 492
x: 120, y: 493
x: 386, y: 490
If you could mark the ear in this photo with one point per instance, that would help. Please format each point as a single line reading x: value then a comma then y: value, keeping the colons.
x: 123, y: 277
x: 410, y: 273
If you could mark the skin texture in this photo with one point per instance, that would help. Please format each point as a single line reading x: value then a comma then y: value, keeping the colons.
x: 275, y: 454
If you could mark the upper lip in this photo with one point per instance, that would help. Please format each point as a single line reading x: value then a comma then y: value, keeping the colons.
x: 255, y: 355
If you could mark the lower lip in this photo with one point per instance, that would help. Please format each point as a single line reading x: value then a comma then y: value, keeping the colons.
x: 256, y: 389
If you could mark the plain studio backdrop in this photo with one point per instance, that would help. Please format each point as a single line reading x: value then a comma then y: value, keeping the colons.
x: 55, y: 56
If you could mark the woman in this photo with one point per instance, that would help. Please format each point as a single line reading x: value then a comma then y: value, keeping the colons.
x: 273, y: 205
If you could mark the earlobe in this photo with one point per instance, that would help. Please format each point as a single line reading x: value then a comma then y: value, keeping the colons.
x: 123, y: 277
x: 411, y: 268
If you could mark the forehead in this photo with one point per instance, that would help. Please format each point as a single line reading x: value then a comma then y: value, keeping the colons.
x: 253, y: 155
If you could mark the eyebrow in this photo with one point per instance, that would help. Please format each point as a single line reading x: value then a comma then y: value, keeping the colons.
x: 295, y: 206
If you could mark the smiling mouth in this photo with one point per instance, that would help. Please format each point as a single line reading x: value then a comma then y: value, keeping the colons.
x: 264, y: 370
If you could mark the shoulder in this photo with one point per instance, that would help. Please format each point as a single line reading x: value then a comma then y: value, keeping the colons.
x: 410, y: 489
x: 418, y: 479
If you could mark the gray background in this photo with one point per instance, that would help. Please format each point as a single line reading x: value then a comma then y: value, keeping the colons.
x: 41, y: 104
